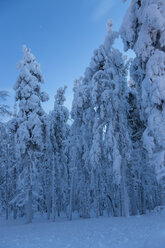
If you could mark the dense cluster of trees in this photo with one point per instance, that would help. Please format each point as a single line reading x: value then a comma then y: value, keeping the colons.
x: 111, y: 159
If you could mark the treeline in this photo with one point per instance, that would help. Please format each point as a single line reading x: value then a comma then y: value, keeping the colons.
x: 111, y: 159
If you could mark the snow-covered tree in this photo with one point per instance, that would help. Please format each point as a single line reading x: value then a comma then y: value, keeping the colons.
x: 4, y: 109
x: 99, y: 132
x: 100, y: 96
x: 47, y: 171
x: 7, y: 170
x: 111, y: 143
x: 81, y: 138
x: 141, y: 176
x: 30, y: 122
x: 143, y: 30
x: 5, y: 178
x: 59, y: 131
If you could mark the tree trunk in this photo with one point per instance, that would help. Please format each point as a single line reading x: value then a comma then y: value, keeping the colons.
x: 96, y: 194
x: 15, y: 189
x: 71, y: 197
x: 112, y: 206
x: 48, y: 205
x: 29, y: 212
x: 14, y: 211
x: 6, y: 197
x: 124, y: 193
x: 6, y: 186
x: 53, y: 191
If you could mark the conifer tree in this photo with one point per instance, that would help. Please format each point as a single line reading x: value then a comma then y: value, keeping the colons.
x: 81, y: 137
x: 143, y: 32
x: 4, y: 109
x: 30, y: 121
x: 59, y: 131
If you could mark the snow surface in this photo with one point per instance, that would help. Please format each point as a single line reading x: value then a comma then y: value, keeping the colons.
x: 146, y: 231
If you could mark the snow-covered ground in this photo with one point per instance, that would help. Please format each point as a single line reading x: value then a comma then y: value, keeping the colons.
x: 132, y: 232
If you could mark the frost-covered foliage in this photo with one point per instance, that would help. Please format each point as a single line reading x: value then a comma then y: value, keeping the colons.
x: 100, y: 141
x: 59, y: 131
x: 110, y: 138
x: 143, y: 30
x: 4, y: 109
x: 109, y: 170
x: 5, y: 176
x: 7, y: 170
x: 81, y: 130
x: 29, y: 128
x: 143, y: 190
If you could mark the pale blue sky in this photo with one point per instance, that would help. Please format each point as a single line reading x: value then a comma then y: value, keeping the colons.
x: 62, y: 35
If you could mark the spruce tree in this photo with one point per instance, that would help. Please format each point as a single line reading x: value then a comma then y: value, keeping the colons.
x: 59, y: 131
x: 143, y: 32
x: 30, y: 121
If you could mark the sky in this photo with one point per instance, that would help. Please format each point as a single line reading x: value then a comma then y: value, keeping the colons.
x: 62, y: 34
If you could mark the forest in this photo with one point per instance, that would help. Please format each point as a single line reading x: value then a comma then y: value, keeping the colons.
x: 105, y: 157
